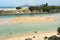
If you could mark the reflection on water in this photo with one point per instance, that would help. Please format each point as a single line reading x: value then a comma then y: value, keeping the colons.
x: 18, y: 28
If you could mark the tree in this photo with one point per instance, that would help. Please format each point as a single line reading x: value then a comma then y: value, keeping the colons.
x: 31, y: 8
x: 46, y: 9
x: 18, y: 7
x: 46, y: 4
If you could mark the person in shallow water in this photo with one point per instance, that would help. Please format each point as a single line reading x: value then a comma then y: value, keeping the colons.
x: 54, y: 37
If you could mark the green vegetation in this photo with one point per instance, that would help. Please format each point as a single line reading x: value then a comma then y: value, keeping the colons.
x: 31, y: 8
x: 58, y: 30
x: 45, y: 8
x: 18, y: 7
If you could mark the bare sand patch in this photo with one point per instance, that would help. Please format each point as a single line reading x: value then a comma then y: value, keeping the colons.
x: 26, y: 20
x: 31, y: 19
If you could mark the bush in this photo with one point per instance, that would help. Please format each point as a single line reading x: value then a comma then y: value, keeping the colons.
x: 18, y: 7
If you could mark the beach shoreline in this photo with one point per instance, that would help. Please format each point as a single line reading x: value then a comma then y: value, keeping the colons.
x: 38, y: 36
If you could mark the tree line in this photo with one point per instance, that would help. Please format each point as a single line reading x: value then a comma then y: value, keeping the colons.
x: 44, y: 7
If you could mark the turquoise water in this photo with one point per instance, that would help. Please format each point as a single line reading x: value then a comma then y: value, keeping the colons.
x: 18, y: 28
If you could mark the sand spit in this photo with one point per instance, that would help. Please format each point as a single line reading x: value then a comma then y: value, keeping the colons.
x: 26, y: 20
x: 31, y: 19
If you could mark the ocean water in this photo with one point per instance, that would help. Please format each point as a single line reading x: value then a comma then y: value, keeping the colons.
x: 7, y: 8
x: 18, y: 28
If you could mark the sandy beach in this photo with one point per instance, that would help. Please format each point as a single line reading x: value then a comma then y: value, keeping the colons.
x: 31, y: 19
x: 38, y: 36
x: 26, y: 20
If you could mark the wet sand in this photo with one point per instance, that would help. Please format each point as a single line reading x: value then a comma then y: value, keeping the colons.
x: 38, y: 36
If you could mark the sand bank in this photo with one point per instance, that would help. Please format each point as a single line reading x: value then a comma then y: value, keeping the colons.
x: 38, y: 36
x: 26, y: 20
x: 31, y: 19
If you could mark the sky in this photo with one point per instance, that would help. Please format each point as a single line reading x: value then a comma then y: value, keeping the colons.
x: 28, y: 2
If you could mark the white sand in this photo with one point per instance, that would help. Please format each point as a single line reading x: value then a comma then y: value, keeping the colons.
x: 38, y: 36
